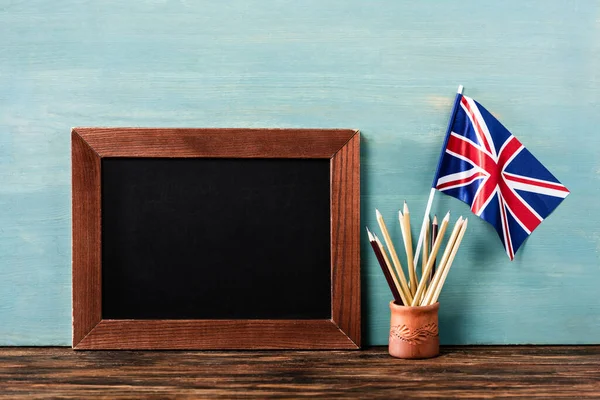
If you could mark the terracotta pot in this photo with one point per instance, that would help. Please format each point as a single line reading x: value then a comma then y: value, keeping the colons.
x: 414, y: 331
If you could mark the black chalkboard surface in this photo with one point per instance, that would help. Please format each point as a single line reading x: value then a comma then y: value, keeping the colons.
x: 208, y: 238
x: 215, y: 238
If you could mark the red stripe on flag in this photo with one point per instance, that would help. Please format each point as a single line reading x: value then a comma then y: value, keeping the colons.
x: 476, y: 125
x: 520, y: 211
x: 463, y: 147
x: 473, y: 154
x: 509, y: 149
x: 507, y: 239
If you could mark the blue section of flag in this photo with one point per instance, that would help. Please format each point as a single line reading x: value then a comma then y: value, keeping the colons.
x: 522, y: 165
x: 501, y: 134
x: 485, y: 166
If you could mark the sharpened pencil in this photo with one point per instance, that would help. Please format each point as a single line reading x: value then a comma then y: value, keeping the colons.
x: 425, y: 257
x: 434, y: 250
x: 395, y: 260
x: 385, y: 269
x: 404, y: 218
x: 437, y: 276
x: 449, y: 262
x: 404, y: 295
x: 434, y: 233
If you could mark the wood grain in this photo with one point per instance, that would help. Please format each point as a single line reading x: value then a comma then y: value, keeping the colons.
x: 216, y: 334
x: 92, y: 332
x: 460, y: 372
x: 345, y: 239
x: 226, y: 142
x: 87, y: 276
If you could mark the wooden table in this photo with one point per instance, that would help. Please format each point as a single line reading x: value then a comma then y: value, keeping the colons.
x: 474, y: 372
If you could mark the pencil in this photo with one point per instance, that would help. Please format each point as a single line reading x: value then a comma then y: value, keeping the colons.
x: 437, y: 276
x: 425, y: 249
x: 434, y: 250
x: 396, y: 261
x: 384, y: 269
x: 434, y: 233
x: 449, y: 262
x: 403, y: 294
x: 407, y: 237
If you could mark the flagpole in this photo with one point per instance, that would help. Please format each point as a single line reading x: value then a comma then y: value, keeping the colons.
x: 433, y: 190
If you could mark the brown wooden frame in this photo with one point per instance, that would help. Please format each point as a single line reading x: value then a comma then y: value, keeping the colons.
x: 341, y: 146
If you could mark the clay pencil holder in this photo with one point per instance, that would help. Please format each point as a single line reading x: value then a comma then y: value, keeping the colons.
x: 414, y: 331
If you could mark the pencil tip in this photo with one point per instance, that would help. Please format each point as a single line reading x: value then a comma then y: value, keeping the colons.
x: 377, y: 213
x: 435, y: 219
x: 447, y: 217
x: 400, y: 214
x: 405, y: 207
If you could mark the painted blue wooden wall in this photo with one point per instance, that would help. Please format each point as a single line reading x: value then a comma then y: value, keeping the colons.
x: 389, y: 68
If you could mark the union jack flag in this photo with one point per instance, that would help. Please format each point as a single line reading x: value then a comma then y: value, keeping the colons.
x: 485, y: 166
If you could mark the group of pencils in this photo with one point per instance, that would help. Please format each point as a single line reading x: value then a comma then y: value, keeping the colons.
x: 426, y: 290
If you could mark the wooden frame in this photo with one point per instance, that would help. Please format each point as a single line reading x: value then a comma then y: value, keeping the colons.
x: 90, y: 331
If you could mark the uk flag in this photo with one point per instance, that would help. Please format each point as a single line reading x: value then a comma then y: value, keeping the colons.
x: 485, y: 166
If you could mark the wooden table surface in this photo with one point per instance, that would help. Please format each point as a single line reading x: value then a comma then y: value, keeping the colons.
x: 467, y: 372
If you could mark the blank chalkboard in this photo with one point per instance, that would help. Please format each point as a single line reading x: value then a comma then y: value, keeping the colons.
x: 216, y: 238
x: 206, y: 238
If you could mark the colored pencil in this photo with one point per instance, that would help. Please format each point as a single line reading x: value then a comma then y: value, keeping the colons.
x: 425, y: 250
x: 437, y: 276
x: 448, y: 263
x: 403, y: 294
x: 434, y: 233
x: 434, y: 250
x: 395, y: 260
x: 392, y: 283
x: 425, y: 291
x: 404, y: 218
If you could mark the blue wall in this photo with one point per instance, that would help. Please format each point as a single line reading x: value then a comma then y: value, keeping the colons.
x: 389, y: 68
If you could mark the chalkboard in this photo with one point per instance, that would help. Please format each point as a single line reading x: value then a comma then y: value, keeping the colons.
x: 216, y: 238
